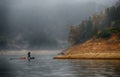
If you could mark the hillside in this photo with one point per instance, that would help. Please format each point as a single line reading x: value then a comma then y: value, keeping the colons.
x: 97, y: 37
x: 100, y: 46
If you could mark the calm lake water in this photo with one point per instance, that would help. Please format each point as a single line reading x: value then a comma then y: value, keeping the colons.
x: 46, y: 66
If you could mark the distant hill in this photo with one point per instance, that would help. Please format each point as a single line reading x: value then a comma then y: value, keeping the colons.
x: 105, y: 41
x: 101, y: 46
x: 98, y: 37
x: 106, y: 19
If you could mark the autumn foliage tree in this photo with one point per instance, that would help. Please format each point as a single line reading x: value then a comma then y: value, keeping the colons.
x: 109, y: 18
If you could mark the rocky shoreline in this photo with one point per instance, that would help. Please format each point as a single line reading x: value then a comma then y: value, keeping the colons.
x: 90, y: 56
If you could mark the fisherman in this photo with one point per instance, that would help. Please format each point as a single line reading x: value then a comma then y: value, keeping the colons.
x: 29, y: 56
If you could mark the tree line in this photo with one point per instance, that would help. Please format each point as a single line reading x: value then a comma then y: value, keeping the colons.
x: 107, y: 19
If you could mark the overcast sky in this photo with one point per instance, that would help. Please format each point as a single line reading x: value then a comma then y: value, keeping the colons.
x: 50, y: 18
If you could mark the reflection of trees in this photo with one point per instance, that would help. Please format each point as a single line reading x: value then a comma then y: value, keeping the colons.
x: 95, y: 68
x: 117, y: 68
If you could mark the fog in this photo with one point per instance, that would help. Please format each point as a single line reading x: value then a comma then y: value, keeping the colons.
x: 43, y: 24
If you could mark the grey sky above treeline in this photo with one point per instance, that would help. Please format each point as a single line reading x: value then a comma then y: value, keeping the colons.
x: 47, y: 19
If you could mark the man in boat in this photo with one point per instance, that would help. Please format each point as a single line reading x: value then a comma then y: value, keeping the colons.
x: 29, y: 56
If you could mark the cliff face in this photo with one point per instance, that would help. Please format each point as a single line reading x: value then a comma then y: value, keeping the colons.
x: 94, y: 48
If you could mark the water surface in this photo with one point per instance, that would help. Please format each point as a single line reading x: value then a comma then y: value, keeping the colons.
x: 46, y: 66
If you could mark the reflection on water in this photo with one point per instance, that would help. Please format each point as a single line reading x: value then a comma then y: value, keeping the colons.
x: 45, y: 66
x: 96, y: 68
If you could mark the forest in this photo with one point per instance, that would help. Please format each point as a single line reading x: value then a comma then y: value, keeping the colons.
x: 99, y: 25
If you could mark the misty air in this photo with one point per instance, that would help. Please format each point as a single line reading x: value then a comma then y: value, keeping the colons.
x: 59, y: 38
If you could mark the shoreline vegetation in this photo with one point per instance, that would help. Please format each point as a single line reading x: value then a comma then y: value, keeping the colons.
x: 92, y: 49
x: 95, y: 38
